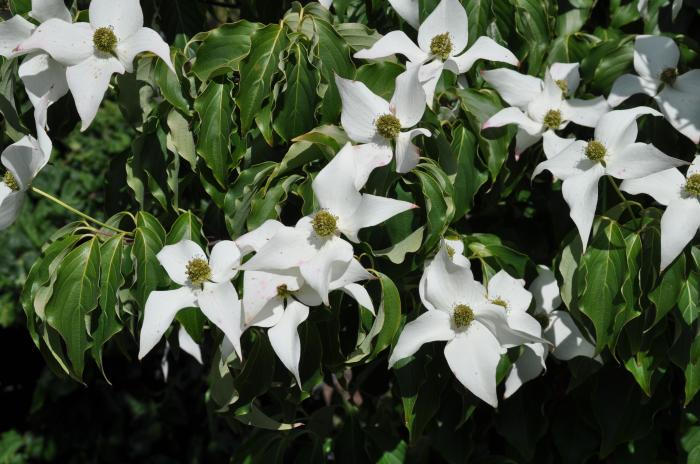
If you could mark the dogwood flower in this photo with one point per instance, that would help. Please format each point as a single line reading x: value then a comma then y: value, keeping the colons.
x: 681, y: 196
x: 467, y: 320
x: 205, y: 284
x: 539, y: 106
x: 557, y: 327
x: 612, y: 152
x: 678, y: 95
x: 314, y: 245
x: 369, y: 119
x: 43, y: 77
x: 441, y: 38
x: 22, y: 161
x: 94, y: 52
x: 408, y: 10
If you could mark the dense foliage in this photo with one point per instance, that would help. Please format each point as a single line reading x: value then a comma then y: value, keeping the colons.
x: 253, y: 118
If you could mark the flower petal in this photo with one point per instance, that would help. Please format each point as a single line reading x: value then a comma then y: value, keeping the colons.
x: 664, y: 186
x: 584, y: 112
x: 566, y: 337
x: 679, y: 224
x: 188, y: 345
x: 10, y: 205
x: 682, y: 110
x: 528, y: 366
x: 372, y: 211
x: 473, y: 356
x: 334, y: 186
x: 220, y: 304
x: 394, y: 43
x: 353, y: 272
x: 503, y: 286
x: 433, y: 326
x: 407, y: 154
x: 553, y: 145
x: 545, y: 290
x: 284, y: 337
x: 485, y: 48
x: 225, y: 261
x: 409, y: 98
x: 24, y: 159
x: 256, y: 239
x: 125, y: 17
x: 550, y: 99
x: 359, y: 294
x: 44, y: 79
x: 160, y: 310
x: 567, y: 72
x: 288, y: 248
x: 262, y: 305
x: 361, y: 108
x: 43, y: 10
x: 513, y: 115
x: 524, y: 322
x: 368, y: 157
x: 88, y: 81
x: 639, y: 160
x: 448, y: 284
x: 571, y: 161
x: 408, y: 10
x: 515, y: 88
x: 581, y: 194
x: 143, y: 40
x: 627, y: 85
x: 69, y: 44
x: 13, y: 32
x: 429, y: 76
x: 448, y: 17
x: 523, y: 141
x: 174, y: 259
x: 618, y: 128
x: 653, y: 54
x: 494, y: 318
x: 316, y: 271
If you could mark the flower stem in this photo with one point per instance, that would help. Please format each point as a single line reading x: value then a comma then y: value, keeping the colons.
x: 626, y: 202
x: 59, y: 202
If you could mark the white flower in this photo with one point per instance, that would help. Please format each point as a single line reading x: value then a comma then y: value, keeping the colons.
x: 681, y: 196
x: 22, y: 160
x: 206, y: 284
x: 539, y: 106
x: 326, y: 3
x: 612, y: 152
x: 441, y: 38
x: 314, y: 245
x: 408, y: 10
x: 93, y: 52
x: 678, y: 96
x: 475, y: 328
x: 44, y: 78
x: 557, y: 327
x: 369, y: 119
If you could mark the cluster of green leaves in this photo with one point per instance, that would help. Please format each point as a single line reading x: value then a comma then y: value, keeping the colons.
x: 236, y: 137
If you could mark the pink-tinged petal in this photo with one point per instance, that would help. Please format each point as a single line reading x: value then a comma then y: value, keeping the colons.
x: 523, y: 141
x: 567, y: 338
x: 567, y: 72
x: 13, y: 32
x: 407, y: 154
x: 515, y: 88
x: 584, y: 112
x: 88, y: 81
x: 682, y: 110
x: 545, y: 290
x: 256, y: 239
x: 528, y: 366
x: 188, y: 345
x: 618, y: 129
x: 408, y: 10
x: 664, y: 186
x: 220, y: 304
x: 125, y: 17
x: 679, y: 224
x: 473, y: 357
x: 627, y: 85
x: 372, y: 211
x: 174, y: 259
x: 433, y: 326
x: 484, y: 48
x: 503, y: 286
x: 640, y: 160
x: 361, y: 108
x: 408, y: 101
x: 334, y: 186
x: 159, y: 313
x: 284, y: 337
x: 581, y: 194
x: 394, y: 43
x: 144, y: 40
x: 448, y: 17
x: 653, y: 54
x: 43, y: 10
x: 69, y: 44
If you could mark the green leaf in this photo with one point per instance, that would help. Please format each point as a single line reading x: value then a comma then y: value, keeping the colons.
x: 223, y: 48
x: 464, y: 170
x: 169, y: 84
x: 239, y: 198
x: 180, y: 139
x: 186, y: 227
x: 149, y: 238
x: 666, y: 294
x: 296, y: 115
x: 388, y: 316
x: 75, y: 295
x: 689, y: 299
x: 692, y: 372
x: 214, y: 107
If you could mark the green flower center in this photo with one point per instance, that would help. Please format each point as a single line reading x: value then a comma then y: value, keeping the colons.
x: 388, y: 126
x: 324, y: 224
x: 563, y: 85
x: 552, y: 120
x: 669, y: 76
x: 500, y: 302
x: 104, y: 39
x: 198, y: 271
x: 463, y: 316
x: 692, y: 186
x: 595, y: 151
x: 10, y: 181
x: 283, y: 291
x: 450, y: 251
x: 441, y: 46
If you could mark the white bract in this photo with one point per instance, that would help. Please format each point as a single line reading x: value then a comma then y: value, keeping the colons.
x: 442, y: 38
x: 22, y: 162
x: 539, y: 106
x: 369, y: 119
x: 408, y: 10
x: 678, y: 95
x: 94, y: 51
x: 681, y: 196
x: 43, y: 77
x: 557, y: 327
x: 612, y: 152
x: 460, y: 313
x: 314, y: 245
x: 206, y: 284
